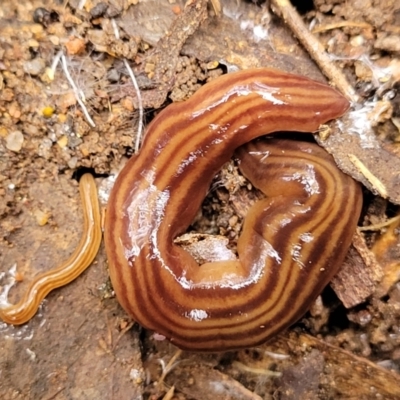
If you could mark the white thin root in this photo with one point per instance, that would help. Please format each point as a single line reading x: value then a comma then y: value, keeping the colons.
x: 51, y: 72
x: 276, y: 356
x: 77, y: 92
x: 137, y: 90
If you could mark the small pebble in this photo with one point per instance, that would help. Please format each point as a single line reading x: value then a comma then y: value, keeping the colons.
x: 44, y: 17
x: 54, y: 40
x: 149, y: 67
x: 41, y: 217
x: 389, y: 43
x: 44, y: 149
x: 62, y: 142
x: 127, y: 103
x: 34, y: 67
x: 112, y: 12
x: 72, y: 162
x: 33, y: 43
x: 99, y: 10
x: 40, y: 14
x: 14, y: 141
x: 113, y: 75
x: 357, y: 41
x: 48, y: 112
x: 233, y: 221
x: 212, y: 64
x: 75, y: 46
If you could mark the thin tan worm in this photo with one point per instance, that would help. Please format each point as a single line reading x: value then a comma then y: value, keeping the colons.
x: 291, y: 244
x: 80, y: 259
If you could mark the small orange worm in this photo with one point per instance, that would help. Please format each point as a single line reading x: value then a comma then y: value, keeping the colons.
x: 292, y: 243
x: 80, y: 259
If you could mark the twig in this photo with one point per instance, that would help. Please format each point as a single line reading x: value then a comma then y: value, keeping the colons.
x: 122, y: 333
x: 314, y: 48
x: 372, y: 179
x: 169, y: 394
x: 341, y: 24
x: 138, y: 94
x: 378, y: 227
x: 169, y: 367
x: 216, y: 4
x: 76, y: 91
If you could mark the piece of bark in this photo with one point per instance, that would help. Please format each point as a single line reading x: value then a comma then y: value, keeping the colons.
x: 357, y: 278
x: 344, y: 375
x: 359, y: 153
x: 161, y: 65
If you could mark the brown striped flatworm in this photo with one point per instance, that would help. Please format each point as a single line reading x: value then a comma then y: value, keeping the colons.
x: 292, y: 242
